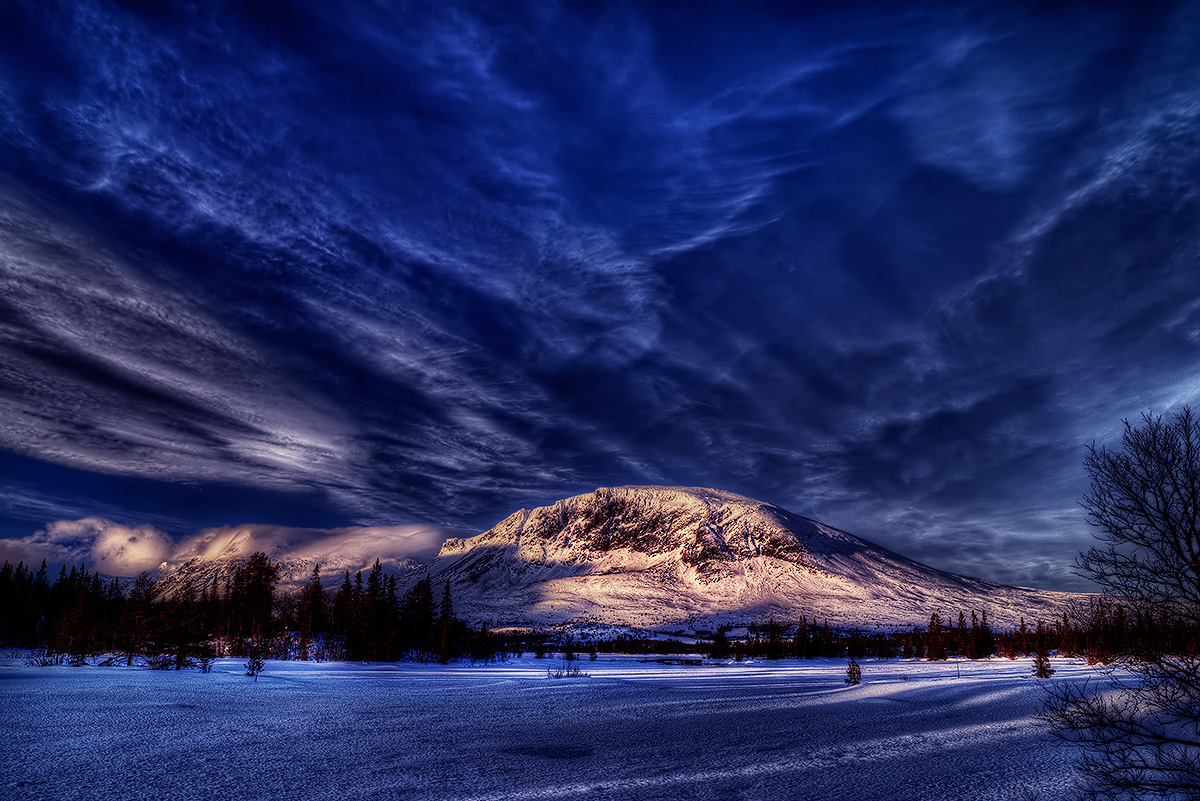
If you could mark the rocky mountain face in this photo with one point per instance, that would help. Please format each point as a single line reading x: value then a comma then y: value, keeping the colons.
x: 662, y: 557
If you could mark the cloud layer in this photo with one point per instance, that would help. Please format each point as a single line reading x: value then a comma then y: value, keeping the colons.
x: 99, y: 544
x: 887, y: 268
x: 117, y: 550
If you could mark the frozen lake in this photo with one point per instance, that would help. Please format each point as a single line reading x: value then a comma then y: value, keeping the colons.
x: 628, y: 730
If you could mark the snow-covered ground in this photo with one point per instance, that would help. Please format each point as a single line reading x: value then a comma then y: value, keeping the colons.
x: 630, y: 729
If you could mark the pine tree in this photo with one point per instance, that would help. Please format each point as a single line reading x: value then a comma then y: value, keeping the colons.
x: 180, y: 630
x: 135, y: 625
x: 987, y: 637
x: 1041, y: 655
x: 255, y: 663
x: 252, y: 596
x: 417, y: 617
x: 374, y: 615
x: 344, y: 615
x: 853, y: 673
x: 393, y: 620
x: 975, y: 640
x: 935, y: 644
x: 446, y: 627
x: 720, y: 647
x: 311, y: 612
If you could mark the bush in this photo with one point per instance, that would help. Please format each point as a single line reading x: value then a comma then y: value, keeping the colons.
x: 565, y: 670
x: 44, y: 658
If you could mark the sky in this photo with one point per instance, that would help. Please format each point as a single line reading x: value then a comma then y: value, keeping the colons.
x: 889, y: 266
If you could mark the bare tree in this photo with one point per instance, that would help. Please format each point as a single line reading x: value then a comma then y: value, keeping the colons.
x: 1140, y: 730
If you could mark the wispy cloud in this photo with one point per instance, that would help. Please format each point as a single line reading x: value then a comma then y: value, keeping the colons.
x: 382, y: 268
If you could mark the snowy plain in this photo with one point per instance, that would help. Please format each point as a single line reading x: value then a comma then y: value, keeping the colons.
x: 630, y: 729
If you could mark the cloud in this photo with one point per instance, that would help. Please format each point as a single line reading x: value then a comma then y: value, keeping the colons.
x: 378, y: 267
x: 100, y: 544
x: 124, y: 550
x: 335, y: 550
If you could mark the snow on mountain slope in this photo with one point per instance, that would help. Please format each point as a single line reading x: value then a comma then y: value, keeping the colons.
x: 656, y: 557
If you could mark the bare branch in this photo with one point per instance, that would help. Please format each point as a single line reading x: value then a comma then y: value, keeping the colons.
x: 1140, y: 732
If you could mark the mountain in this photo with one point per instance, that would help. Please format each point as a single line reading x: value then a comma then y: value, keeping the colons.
x: 662, y: 557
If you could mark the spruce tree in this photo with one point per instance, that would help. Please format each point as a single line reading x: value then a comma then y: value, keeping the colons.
x: 446, y: 627
x: 393, y: 620
x: 987, y: 638
x: 935, y: 644
x: 720, y: 647
x: 1041, y: 655
x: 310, y: 612
x: 135, y: 625
x: 853, y: 673
x: 344, y: 615
x: 374, y: 621
x: 252, y: 596
x: 255, y: 663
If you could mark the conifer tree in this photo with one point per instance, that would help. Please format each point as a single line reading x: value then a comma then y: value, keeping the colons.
x: 136, y: 619
x: 1041, y: 655
x: 252, y: 596
x: 311, y: 612
x: 774, y: 647
x: 255, y: 663
x: 720, y: 648
x: 180, y: 630
x: 853, y: 673
x: 374, y: 614
x: 935, y: 644
x: 392, y: 620
x: 987, y: 637
x: 417, y: 617
x: 446, y: 627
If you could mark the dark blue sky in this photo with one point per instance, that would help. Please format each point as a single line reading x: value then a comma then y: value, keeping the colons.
x: 381, y: 263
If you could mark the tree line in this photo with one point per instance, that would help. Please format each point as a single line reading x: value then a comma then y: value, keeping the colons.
x: 1100, y: 631
x: 241, y: 614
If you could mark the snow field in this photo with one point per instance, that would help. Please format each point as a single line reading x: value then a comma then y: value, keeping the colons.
x: 630, y: 729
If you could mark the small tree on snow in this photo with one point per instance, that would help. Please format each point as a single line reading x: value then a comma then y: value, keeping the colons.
x: 853, y: 673
x: 1041, y: 657
x: 256, y: 663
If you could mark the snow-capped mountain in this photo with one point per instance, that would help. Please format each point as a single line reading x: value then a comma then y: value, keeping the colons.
x: 678, y: 556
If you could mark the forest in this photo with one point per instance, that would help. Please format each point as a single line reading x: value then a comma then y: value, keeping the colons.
x: 82, y: 614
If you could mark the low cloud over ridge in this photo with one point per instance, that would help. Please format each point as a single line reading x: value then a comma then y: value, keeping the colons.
x: 119, y: 550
